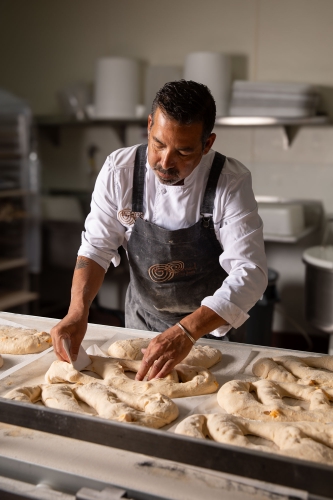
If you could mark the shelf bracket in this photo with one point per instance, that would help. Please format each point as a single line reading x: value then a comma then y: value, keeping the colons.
x: 289, y: 134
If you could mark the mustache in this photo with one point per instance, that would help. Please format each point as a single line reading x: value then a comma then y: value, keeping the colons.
x: 170, y: 171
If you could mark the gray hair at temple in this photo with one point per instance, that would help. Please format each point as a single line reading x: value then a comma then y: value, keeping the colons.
x: 187, y: 102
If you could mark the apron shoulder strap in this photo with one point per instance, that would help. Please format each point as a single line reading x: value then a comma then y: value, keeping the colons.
x: 139, y: 178
x: 207, y: 206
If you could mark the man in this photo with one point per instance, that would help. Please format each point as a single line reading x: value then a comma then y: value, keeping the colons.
x: 188, y: 219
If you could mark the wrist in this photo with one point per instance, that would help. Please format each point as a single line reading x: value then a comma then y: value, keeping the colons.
x: 186, y: 332
x: 78, y: 312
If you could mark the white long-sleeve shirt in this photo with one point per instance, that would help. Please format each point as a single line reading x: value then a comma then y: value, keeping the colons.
x: 238, y: 226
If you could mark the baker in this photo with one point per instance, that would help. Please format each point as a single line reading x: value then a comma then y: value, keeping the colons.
x: 188, y: 219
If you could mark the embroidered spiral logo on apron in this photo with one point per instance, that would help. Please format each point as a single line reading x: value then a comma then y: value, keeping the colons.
x: 165, y: 272
x: 127, y: 217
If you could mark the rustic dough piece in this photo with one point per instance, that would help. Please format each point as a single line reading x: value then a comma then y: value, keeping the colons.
x: 270, y: 370
x: 205, y: 356
x: 60, y: 397
x: 25, y: 394
x: 235, y: 397
x: 14, y: 340
x: 153, y: 410
x: 128, y: 349
x: 194, y: 381
x: 202, y: 355
x: 1, y: 361
x: 311, y: 370
x: 304, y: 440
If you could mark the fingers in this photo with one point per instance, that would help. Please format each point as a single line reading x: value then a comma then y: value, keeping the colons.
x: 150, y: 355
x: 58, y: 346
x: 161, y: 368
x: 166, y: 369
x: 143, y: 370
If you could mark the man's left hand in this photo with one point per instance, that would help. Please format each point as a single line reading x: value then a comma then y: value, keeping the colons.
x: 163, y: 353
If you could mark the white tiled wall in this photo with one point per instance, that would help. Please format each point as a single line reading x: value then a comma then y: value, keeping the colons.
x: 282, y: 40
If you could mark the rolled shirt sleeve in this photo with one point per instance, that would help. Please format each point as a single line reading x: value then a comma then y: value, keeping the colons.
x: 103, y: 233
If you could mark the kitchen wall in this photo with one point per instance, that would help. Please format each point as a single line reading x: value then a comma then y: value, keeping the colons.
x: 47, y: 45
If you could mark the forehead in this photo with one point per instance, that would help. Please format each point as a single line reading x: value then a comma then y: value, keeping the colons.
x: 166, y: 128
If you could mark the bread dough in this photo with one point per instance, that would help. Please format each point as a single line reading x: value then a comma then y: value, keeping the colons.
x: 202, y: 355
x: 267, y: 403
x: 304, y: 440
x: 25, y: 394
x: 128, y: 349
x: 151, y: 411
x: 1, y: 361
x: 270, y: 370
x: 194, y: 381
x: 14, y: 340
x: 311, y: 370
x: 205, y: 356
x: 60, y: 397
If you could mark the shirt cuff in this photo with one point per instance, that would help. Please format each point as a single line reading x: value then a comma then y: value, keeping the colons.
x: 228, y: 311
x: 96, y: 258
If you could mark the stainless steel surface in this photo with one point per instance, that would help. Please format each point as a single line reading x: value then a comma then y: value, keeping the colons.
x: 69, y: 451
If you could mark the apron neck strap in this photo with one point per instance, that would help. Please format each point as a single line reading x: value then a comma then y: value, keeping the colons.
x: 207, y: 206
x: 139, y: 178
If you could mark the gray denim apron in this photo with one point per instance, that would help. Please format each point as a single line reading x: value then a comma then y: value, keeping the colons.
x: 171, y: 271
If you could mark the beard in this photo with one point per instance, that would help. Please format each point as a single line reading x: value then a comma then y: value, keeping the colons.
x: 172, y: 173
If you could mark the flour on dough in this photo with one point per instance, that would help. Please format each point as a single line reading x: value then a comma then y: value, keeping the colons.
x: 193, y: 380
x: 131, y: 349
x: 153, y: 410
x: 304, y: 440
x: 263, y: 400
x: 14, y: 340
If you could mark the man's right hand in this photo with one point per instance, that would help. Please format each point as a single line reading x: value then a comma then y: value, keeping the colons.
x: 87, y: 279
x: 73, y: 329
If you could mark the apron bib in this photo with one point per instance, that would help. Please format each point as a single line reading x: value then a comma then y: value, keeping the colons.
x: 171, y: 272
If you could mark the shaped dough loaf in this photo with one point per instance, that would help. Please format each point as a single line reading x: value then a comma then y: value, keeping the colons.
x: 205, y: 356
x: 304, y: 440
x: 14, y: 340
x: 151, y: 411
x: 154, y: 410
x: 194, y: 381
x: 235, y: 397
x: 311, y: 370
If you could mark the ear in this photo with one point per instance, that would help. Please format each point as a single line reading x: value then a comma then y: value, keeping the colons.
x: 150, y: 123
x: 209, y: 143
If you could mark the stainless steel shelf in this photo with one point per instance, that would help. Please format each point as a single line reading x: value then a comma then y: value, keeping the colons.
x: 13, y: 299
x: 266, y: 121
x: 51, y: 125
x: 12, y: 193
x: 6, y: 264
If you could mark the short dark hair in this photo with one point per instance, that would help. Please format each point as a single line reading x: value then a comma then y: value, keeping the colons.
x: 187, y: 102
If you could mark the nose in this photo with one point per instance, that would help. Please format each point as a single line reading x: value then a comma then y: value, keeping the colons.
x: 167, y: 160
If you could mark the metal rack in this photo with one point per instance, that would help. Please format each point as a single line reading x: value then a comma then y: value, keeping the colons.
x: 19, y: 220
